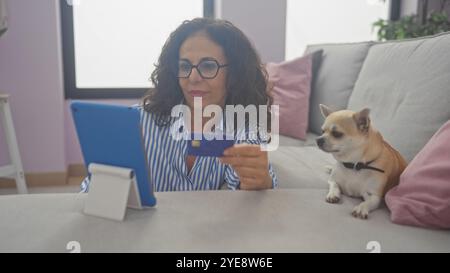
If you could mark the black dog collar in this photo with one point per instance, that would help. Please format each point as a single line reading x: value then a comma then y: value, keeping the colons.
x: 360, y: 165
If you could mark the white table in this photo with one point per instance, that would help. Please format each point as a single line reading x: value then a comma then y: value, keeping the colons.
x: 209, y: 221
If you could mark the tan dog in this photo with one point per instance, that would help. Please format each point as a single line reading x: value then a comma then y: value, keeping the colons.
x: 367, y: 166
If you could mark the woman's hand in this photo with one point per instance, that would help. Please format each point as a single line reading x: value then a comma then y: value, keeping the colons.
x: 251, y: 164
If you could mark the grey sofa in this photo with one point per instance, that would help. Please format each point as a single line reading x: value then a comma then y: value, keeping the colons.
x: 407, y: 86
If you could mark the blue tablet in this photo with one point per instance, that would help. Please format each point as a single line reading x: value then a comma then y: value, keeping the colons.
x: 112, y: 135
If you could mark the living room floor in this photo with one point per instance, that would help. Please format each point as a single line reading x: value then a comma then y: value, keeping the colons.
x: 73, y: 186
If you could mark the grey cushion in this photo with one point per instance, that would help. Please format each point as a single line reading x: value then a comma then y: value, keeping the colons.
x: 335, y: 78
x: 316, y: 62
x: 301, y: 167
x: 290, y: 141
x: 407, y: 86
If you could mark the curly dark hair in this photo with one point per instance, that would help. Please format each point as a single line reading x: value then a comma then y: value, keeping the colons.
x: 246, y: 81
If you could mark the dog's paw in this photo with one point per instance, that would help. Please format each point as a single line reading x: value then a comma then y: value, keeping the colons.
x: 332, y: 198
x: 361, y: 211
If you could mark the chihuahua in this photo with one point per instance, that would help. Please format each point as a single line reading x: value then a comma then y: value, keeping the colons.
x: 367, y: 166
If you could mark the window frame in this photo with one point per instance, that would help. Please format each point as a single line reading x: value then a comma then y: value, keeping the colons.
x: 394, y: 10
x: 71, y: 91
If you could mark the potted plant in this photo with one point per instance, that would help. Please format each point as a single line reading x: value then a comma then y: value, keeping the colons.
x: 413, y: 26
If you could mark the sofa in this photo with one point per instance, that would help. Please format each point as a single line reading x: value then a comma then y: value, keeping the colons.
x: 406, y: 84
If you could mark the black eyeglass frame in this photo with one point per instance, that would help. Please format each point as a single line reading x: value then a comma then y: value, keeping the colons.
x: 219, y: 66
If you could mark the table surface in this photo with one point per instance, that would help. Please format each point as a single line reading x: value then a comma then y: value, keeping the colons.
x: 209, y: 221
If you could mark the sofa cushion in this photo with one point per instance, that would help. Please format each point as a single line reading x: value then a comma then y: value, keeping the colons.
x: 291, y: 88
x: 301, y: 167
x: 290, y: 141
x: 335, y: 77
x: 422, y: 197
x: 407, y: 86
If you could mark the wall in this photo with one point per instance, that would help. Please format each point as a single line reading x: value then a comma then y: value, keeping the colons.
x: 31, y: 72
x: 263, y: 21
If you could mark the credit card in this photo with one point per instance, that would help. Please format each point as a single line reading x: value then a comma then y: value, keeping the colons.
x: 204, y: 147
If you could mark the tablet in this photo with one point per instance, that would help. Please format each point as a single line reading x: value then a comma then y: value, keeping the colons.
x: 112, y: 135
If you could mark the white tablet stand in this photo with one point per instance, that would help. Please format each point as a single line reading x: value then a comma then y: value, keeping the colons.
x: 111, y: 190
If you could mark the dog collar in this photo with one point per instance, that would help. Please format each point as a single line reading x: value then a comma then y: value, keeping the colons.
x: 360, y: 165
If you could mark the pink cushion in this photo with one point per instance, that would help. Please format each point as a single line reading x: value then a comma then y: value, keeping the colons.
x: 291, y: 89
x: 423, y: 196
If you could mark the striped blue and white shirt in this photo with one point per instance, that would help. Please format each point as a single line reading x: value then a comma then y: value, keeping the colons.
x: 167, y: 161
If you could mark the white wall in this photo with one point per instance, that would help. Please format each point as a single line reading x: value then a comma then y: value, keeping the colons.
x: 330, y: 21
x: 263, y: 21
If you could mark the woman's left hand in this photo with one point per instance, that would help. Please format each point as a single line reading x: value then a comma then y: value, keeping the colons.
x: 251, y: 165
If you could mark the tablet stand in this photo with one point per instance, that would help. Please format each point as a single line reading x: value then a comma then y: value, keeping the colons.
x: 111, y: 190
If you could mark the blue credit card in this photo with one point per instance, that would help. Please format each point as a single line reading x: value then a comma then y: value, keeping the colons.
x: 201, y: 146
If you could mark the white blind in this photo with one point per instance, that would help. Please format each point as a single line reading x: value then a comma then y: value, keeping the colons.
x: 118, y: 41
x: 330, y: 21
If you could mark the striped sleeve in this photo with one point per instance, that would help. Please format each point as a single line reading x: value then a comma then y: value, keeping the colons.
x: 231, y: 178
x: 84, y: 187
x: 274, y: 177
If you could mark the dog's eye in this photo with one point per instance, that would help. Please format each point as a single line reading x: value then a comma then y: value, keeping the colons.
x: 336, y: 134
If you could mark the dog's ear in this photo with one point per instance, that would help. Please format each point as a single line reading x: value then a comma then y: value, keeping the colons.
x: 362, y: 120
x: 325, y: 110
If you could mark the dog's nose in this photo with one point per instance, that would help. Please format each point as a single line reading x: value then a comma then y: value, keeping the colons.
x: 320, y: 141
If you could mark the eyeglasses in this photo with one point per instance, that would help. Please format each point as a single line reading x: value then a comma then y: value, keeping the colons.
x: 208, y: 69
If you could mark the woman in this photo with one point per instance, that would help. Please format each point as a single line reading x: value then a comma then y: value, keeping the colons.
x: 212, y: 60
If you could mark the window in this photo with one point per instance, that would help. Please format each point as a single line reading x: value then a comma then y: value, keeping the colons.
x: 331, y: 21
x: 110, y: 46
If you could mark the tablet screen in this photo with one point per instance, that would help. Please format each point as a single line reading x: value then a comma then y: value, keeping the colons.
x: 112, y: 135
